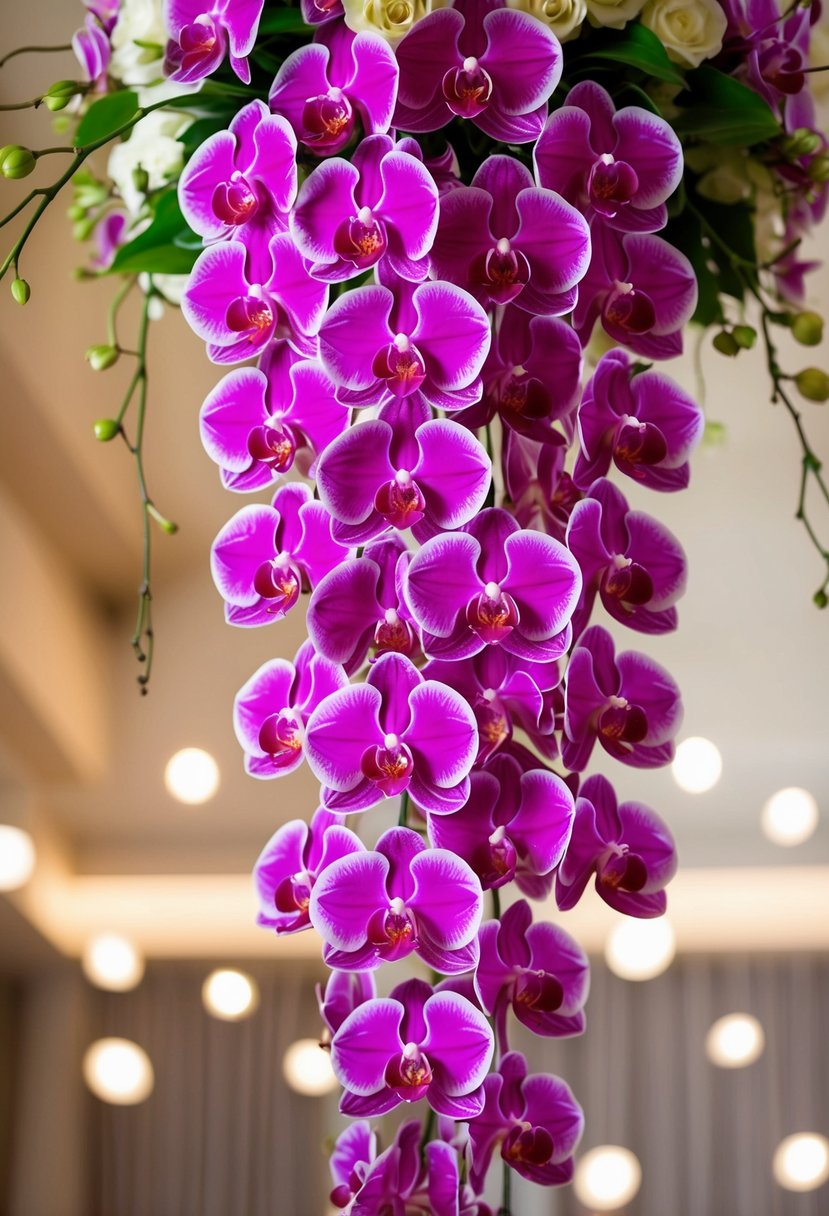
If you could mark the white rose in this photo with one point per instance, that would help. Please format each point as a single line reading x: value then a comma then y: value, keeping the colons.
x: 152, y: 146
x: 689, y: 30
x: 392, y: 19
x: 563, y: 17
x: 613, y: 13
x: 138, y: 21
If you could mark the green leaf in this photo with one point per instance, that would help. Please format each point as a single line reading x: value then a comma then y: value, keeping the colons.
x: 168, y: 246
x: 724, y: 111
x: 200, y: 130
x: 686, y: 234
x: 105, y: 117
x: 640, y: 48
x: 283, y: 21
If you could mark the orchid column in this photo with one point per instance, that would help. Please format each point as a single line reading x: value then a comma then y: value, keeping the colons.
x: 403, y: 295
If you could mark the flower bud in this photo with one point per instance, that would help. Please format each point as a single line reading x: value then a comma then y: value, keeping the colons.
x: 819, y: 168
x: 820, y: 599
x: 75, y: 212
x: 813, y: 384
x: 106, y: 429
x: 807, y: 328
x: 802, y: 142
x: 16, y: 162
x: 101, y: 357
x: 745, y: 336
x: 726, y: 344
x: 82, y: 229
x: 141, y: 179
x: 59, y: 94
x: 21, y: 291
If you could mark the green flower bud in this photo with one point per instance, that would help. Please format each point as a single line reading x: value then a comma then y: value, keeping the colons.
x: 819, y: 168
x: 745, y: 336
x: 89, y: 195
x: 726, y: 344
x: 16, y: 162
x: 76, y: 212
x: 807, y: 328
x: 813, y: 384
x: 59, y: 94
x: 21, y: 291
x: 82, y: 229
x: 141, y: 179
x: 106, y: 429
x: 101, y: 357
x: 802, y: 142
x: 820, y: 599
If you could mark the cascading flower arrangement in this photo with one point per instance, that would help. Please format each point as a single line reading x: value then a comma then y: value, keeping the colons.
x: 420, y: 221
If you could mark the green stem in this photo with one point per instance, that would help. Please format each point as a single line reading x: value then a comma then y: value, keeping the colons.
x: 496, y: 903
x: 404, y: 809
x: 428, y: 1131
x: 112, y: 314
x: 34, y: 50
x: 506, y: 1192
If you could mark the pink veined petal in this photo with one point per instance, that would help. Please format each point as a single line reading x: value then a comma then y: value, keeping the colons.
x: 436, y: 800
x: 454, y: 472
x: 211, y: 163
x: 453, y: 334
x: 275, y: 163
x: 646, y: 683
x: 241, y: 20
x: 281, y: 857
x: 555, y: 239
x: 447, y: 898
x: 458, y: 1042
x: 395, y: 677
x: 655, y: 547
x: 512, y: 128
x: 343, y: 608
x: 447, y: 962
x: 668, y: 278
x: 545, y: 581
x: 217, y: 278
x: 230, y: 412
x: 325, y: 199
x: 318, y: 551
x: 265, y: 693
x: 661, y: 401
x: 303, y: 297
x: 345, y: 896
x: 544, y: 821
x: 549, y: 1102
x: 572, y: 970
x: 463, y: 233
x: 355, y: 329
x: 409, y: 202
x: 375, y: 82
x: 443, y: 734
x: 289, y: 501
x: 424, y: 56
x: 315, y: 408
x: 582, y: 697
x: 650, y: 146
x: 353, y: 468
x: 243, y: 544
x: 302, y: 75
x: 400, y: 847
x: 441, y: 581
x: 362, y: 1047
x: 598, y: 105
x: 503, y: 177
x: 338, y: 733
x: 524, y: 59
x: 563, y: 154
x: 492, y: 973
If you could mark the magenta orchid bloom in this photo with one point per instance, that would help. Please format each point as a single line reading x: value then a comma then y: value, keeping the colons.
x: 426, y: 341
x: 413, y: 1044
x: 496, y: 68
x: 257, y: 422
x: 617, y: 166
x: 399, y: 898
x: 241, y: 183
x: 645, y: 424
x: 110, y: 234
x: 628, y: 847
x: 342, y: 993
x: 391, y: 472
x: 237, y: 316
x: 270, y: 709
x: 316, y: 12
x: 628, y: 702
x: 351, y: 214
x: 535, y: 1120
x: 505, y: 240
x: 360, y: 606
x: 515, y: 826
x: 266, y: 555
x: 635, y: 565
x: 92, y: 49
x: 395, y: 733
x: 291, y: 862
x: 543, y: 494
x: 491, y: 585
x: 354, y: 1151
x: 322, y: 89
x: 202, y: 34
x: 538, y: 970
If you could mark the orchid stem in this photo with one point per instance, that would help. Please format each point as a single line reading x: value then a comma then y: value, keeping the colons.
x: 112, y: 316
x: 506, y: 1192
x: 34, y: 50
x: 404, y: 809
x: 496, y: 903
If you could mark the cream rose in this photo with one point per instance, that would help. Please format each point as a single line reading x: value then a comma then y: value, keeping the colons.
x: 563, y: 17
x: 689, y: 30
x: 138, y: 21
x: 613, y: 13
x: 392, y: 19
x: 153, y: 146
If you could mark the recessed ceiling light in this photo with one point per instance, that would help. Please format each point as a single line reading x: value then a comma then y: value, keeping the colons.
x: 118, y: 1071
x: 735, y: 1041
x: 307, y: 1068
x: 17, y: 857
x: 112, y: 962
x: 640, y: 949
x: 801, y: 1162
x: 697, y: 765
x: 229, y: 994
x: 790, y: 816
x: 192, y: 775
x: 607, y: 1177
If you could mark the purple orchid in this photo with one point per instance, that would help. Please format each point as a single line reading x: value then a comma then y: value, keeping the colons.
x: 642, y: 289
x: 360, y: 605
x: 646, y: 424
x: 505, y: 240
x: 265, y: 555
x: 237, y: 316
x: 399, y: 898
x: 322, y: 89
x: 202, y: 34
x: 290, y: 864
x: 628, y: 847
x: 270, y: 709
x: 109, y: 235
x: 257, y: 422
x: 395, y: 733
x: 537, y: 969
x: 316, y: 12
x: 495, y: 68
x: 351, y: 214
x: 515, y: 826
x: 542, y: 493
x: 354, y: 1151
x: 635, y: 565
x: 627, y: 701
x: 343, y: 992
x: 92, y: 49
x: 241, y: 183
x: 535, y: 1119
x: 425, y: 342
x: 531, y: 378
x: 617, y: 166
x: 393, y: 472
x: 493, y: 584
x: 413, y: 1044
